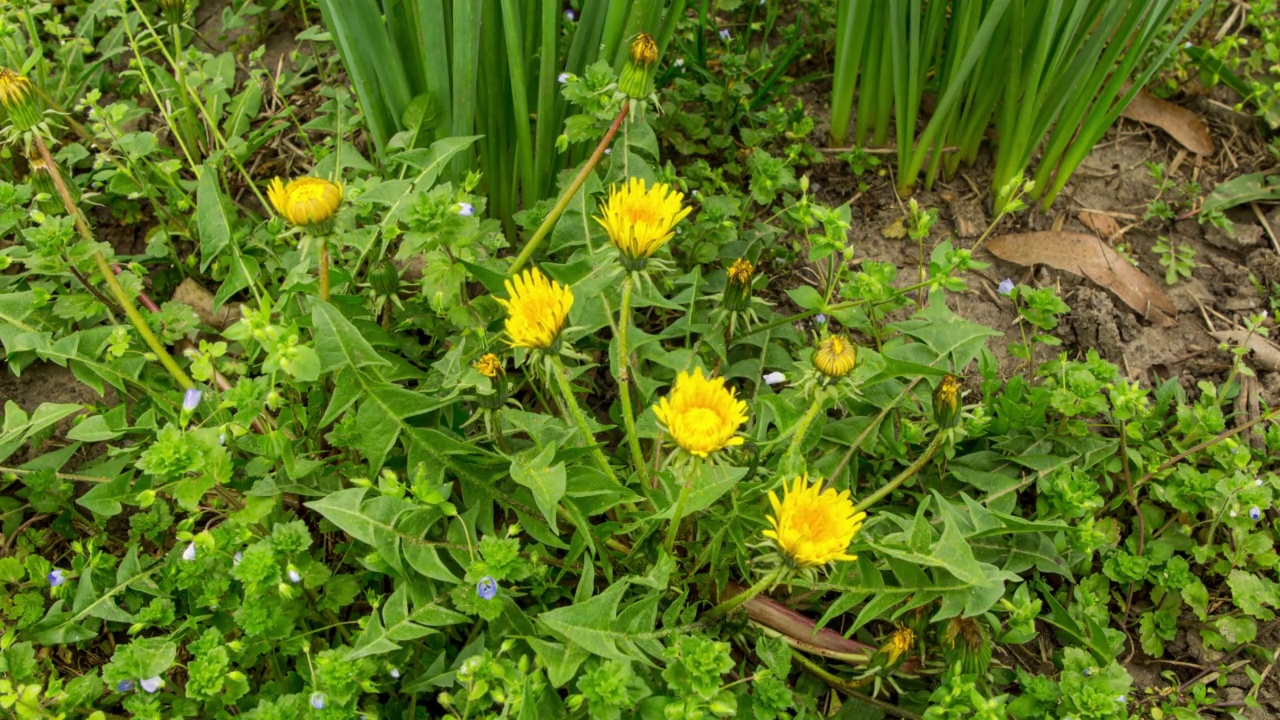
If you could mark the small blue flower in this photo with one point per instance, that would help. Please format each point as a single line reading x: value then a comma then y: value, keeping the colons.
x: 822, y: 319
x: 563, y: 78
x: 235, y: 559
x: 1121, y: 699
x: 487, y: 588
x: 1006, y: 287
x: 294, y: 576
x: 151, y: 684
x: 724, y: 34
x: 466, y: 209
x: 191, y: 399
x: 56, y: 578
x: 190, y: 553
x: 317, y: 700
x: 395, y: 673
x: 570, y: 15
x: 124, y: 686
x: 1255, y: 514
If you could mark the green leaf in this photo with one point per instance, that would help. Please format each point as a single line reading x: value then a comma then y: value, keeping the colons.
x: 806, y: 297
x: 338, y: 343
x: 399, y: 624
x: 60, y: 627
x: 211, y: 217
x: 546, y: 481
x: 599, y: 628
x: 105, y: 499
x: 711, y: 482
x: 432, y: 160
x: 1253, y: 187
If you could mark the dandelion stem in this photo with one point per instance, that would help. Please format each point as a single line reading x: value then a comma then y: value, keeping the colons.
x: 571, y: 402
x: 624, y: 381
x: 324, y: 267
x: 567, y: 196
x: 109, y: 277
x: 733, y: 603
x: 797, y: 443
x: 906, y: 475
x: 674, y: 527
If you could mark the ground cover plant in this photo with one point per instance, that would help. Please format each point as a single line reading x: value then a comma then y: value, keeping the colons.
x: 483, y: 359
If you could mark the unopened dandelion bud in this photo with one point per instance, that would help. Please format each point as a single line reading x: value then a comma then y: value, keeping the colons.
x: 946, y: 402
x: 835, y: 357
x: 737, y: 292
x: 309, y: 202
x: 896, y: 649
x: 41, y: 179
x: 636, y: 81
x: 175, y: 11
x: 19, y: 100
x: 490, y: 366
x: 384, y: 278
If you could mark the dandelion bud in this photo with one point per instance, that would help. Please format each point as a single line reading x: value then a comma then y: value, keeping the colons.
x: 737, y: 294
x: 946, y: 402
x: 306, y: 201
x: 41, y: 180
x: 490, y: 366
x: 385, y: 279
x: 175, y: 11
x: 18, y: 98
x: 965, y: 641
x: 896, y: 648
x: 835, y: 357
x: 636, y: 81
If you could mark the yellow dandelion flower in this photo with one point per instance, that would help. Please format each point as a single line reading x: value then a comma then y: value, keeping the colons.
x: 489, y: 366
x: 536, y: 311
x: 812, y: 526
x: 640, y: 220
x: 18, y: 98
x: 835, y: 357
x: 306, y: 201
x: 946, y: 402
x: 701, y: 414
x: 644, y: 49
x: 741, y: 271
x: 900, y: 643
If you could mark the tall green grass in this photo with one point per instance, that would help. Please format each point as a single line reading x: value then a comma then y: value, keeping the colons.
x: 1049, y: 75
x: 428, y: 69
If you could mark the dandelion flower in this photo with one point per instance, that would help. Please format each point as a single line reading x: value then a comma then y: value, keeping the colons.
x: 835, y: 357
x: 812, y: 526
x: 489, y: 366
x: 536, y: 311
x: 737, y: 294
x: 701, y: 414
x: 946, y: 402
x: 17, y: 97
x: 306, y: 201
x: 899, y: 644
x: 640, y: 220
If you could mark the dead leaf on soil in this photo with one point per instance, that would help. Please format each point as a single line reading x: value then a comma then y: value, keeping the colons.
x: 1265, y: 352
x: 1104, y: 225
x: 1182, y: 124
x: 191, y: 293
x: 1086, y: 256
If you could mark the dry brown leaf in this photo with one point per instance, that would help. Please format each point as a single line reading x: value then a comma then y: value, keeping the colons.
x: 1104, y: 225
x: 191, y: 293
x: 1087, y: 256
x: 1182, y: 124
x: 1265, y: 352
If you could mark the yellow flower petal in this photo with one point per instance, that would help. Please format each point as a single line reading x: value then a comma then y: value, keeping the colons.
x: 701, y: 414
x: 305, y: 201
x: 639, y: 221
x: 536, y: 310
x: 813, y: 526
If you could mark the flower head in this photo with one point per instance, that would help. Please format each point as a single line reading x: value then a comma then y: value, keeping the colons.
x: 124, y: 686
x: 701, y: 414
x: 190, y: 553
x: 151, y: 684
x: 899, y: 644
x: 570, y: 15
x: 724, y: 34
x: 812, y: 526
x: 318, y: 700
x: 191, y: 399
x: 295, y: 577
x: 564, y: 77
x: 487, y: 588
x: 465, y: 209
x: 946, y: 402
x: 56, y: 578
x: 644, y: 49
x: 536, y: 311
x: 18, y: 99
x: 774, y: 378
x: 1255, y: 513
x: 489, y: 366
x: 640, y: 220
x: 306, y: 201
x: 1006, y: 287
x: 835, y: 357
x: 741, y: 271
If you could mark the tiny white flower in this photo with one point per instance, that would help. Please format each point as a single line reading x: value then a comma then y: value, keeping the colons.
x: 190, y: 553
x: 1233, y: 513
x: 395, y: 673
x: 1258, y: 482
x: 191, y: 399
x: 1006, y: 287
x: 608, y: 151
x: 774, y: 378
x: 569, y: 15
x: 294, y: 576
x: 466, y: 209
x: 235, y: 559
x: 564, y: 78
x: 724, y: 34
x: 1120, y: 699
x: 679, y: 62
x: 822, y: 319
x: 151, y: 684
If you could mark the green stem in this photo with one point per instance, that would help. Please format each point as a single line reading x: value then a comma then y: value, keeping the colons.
x: 624, y: 381
x: 736, y: 601
x: 906, y: 475
x: 670, y: 542
x: 109, y: 277
x: 796, y: 447
x: 571, y: 402
x: 567, y: 196
x: 324, y: 267
x: 850, y: 688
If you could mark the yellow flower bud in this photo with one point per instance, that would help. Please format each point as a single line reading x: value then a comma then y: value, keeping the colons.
x: 946, y: 402
x: 306, y: 201
x: 835, y: 357
x: 18, y: 98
